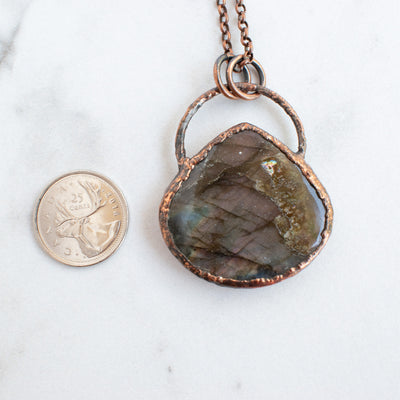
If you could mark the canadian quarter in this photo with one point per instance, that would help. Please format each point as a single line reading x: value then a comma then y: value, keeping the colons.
x: 81, y: 218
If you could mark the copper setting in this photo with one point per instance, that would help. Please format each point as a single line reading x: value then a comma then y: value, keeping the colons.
x: 186, y: 166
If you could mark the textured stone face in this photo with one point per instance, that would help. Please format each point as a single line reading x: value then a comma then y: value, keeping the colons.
x: 246, y: 211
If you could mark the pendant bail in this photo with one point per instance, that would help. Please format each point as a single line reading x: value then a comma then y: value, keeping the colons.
x: 180, y: 150
x: 237, y: 60
x: 231, y: 89
x: 225, y: 89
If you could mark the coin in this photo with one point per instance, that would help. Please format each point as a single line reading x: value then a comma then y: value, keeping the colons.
x: 81, y: 218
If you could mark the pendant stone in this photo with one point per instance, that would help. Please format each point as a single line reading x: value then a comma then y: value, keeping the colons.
x: 246, y: 212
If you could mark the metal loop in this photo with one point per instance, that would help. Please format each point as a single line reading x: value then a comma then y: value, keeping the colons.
x: 180, y: 150
x: 218, y: 80
x: 231, y: 83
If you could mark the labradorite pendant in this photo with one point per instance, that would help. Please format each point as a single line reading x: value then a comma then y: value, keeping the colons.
x: 245, y: 211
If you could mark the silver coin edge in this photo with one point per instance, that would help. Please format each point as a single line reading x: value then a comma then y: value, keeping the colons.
x: 36, y: 211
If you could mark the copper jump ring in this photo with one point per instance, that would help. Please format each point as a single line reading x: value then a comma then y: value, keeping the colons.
x: 218, y: 80
x: 238, y: 93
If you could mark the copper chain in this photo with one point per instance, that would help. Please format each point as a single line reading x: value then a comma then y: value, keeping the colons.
x: 236, y: 63
x: 243, y: 27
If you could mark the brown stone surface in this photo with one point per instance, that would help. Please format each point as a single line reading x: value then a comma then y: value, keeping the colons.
x: 246, y: 211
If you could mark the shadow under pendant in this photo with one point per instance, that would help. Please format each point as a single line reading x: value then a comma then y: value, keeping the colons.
x: 245, y: 211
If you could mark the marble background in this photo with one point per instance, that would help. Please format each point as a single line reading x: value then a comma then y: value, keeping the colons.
x: 101, y: 86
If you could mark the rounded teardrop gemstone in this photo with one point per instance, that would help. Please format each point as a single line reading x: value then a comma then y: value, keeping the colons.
x: 246, y: 211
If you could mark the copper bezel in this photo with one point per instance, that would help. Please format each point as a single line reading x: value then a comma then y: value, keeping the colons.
x: 187, y: 166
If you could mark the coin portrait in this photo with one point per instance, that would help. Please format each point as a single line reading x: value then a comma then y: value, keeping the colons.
x: 81, y: 218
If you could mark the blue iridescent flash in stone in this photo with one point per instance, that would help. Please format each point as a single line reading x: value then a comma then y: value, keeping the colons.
x: 269, y: 166
x: 246, y: 211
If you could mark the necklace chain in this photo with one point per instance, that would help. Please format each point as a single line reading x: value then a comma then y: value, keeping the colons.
x: 243, y: 27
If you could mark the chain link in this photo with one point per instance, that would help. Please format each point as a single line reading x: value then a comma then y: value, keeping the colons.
x: 224, y: 26
x: 243, y: 27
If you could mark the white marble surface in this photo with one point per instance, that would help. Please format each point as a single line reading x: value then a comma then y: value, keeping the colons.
x: 101, y: 86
